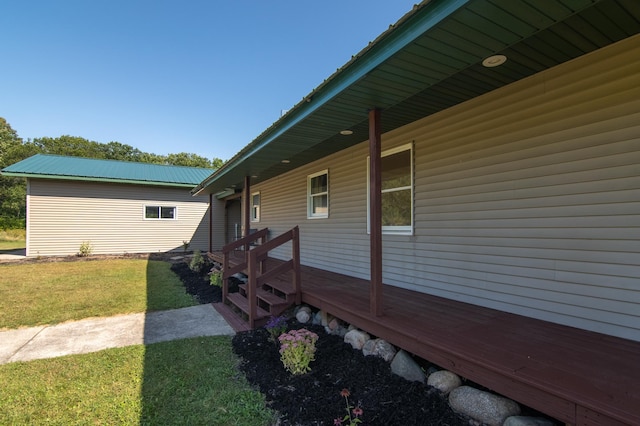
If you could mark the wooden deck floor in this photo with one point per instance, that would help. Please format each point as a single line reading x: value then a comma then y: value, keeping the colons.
x: 575, y: 376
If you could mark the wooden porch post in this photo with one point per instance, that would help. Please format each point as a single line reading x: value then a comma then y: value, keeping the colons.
x: 210, y: 223
x: 246, y: 210
x: 375, y: 212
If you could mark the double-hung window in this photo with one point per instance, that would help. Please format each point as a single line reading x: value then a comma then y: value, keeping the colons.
x: 318, y: 195
x: 159, y: 212
x: 255, y: 207
x: 397, y: 190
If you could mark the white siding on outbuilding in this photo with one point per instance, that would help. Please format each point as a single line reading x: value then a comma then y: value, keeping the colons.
x: 62, y: 214
x: 527, y: 199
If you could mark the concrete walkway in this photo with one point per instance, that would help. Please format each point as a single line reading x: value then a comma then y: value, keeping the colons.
x: 95, y: 334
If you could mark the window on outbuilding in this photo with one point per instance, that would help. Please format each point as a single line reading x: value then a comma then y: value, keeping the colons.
x: 318, y: 195
x: 159, y: 212
x: 397, y: 190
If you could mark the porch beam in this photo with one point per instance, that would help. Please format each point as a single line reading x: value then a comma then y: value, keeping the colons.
x: 375, y: 212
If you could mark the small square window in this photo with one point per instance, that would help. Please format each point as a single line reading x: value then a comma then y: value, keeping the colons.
x: 167, y: 212
x: 318, y: 195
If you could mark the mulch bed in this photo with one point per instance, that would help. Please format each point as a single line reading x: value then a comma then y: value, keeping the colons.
x: 315, y: 398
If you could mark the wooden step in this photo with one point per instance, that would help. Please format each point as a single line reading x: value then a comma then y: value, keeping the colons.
x: 242, y: 303
x: 283, y: 286
x: 231, y: 317
x: 268, y: 297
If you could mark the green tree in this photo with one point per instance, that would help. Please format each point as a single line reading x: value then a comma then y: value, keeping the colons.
x: 119, y: 151
x: 14, y: 149
x: 216, y: 162
x: 12, y: 190
x: 8, y: 141
x: 188, y: 160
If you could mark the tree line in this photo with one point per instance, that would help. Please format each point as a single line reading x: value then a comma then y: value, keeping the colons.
x: 14, y: 149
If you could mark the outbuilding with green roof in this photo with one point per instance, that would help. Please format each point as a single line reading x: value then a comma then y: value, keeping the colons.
x: 115, y: 206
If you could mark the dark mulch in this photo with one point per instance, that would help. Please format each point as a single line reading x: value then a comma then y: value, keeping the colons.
x: 314, y: 398
x: 197, y: 284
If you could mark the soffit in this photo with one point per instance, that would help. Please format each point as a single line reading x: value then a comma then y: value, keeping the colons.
x: 429, y: 61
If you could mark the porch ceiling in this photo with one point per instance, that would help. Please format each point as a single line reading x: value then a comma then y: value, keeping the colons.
x: 430, y: 60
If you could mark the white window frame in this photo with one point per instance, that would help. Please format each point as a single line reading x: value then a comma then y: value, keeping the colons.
x: 159, y: 207
x: 394, y: 230
x: 255, y: 209
x: 310, y: 196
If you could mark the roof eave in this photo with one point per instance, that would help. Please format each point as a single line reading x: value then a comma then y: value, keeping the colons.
x: 92, y: 179
x: 378, y: 51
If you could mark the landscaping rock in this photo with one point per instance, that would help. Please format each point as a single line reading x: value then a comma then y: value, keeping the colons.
x: 334, y: 323
x: 527, y: 421
x: 445, y: 381
x: 404, y: 366
x: 380, y: 348
x: 356, y: 338
x: 303, y: 315
x: 483, y: 406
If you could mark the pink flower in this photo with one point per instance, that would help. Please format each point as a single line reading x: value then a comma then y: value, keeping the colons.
x: 337, y: 421
x: 357, y: 411
x: 345, y: 393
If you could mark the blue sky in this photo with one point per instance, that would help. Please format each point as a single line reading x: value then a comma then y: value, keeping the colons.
x: 199, y: 76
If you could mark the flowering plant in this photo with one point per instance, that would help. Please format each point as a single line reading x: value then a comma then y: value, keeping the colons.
x: 297, y: 350
x: 353, y: 413
x: 276, y: 326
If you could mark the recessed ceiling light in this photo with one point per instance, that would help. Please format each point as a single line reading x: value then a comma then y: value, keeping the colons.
x: 346, y: 132
x: 285, y: 161
x: 494, y: 61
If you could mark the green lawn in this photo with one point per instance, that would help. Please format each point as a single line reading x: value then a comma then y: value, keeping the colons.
x: 12, y: 239
x: 53, y: 292
x: 6, y: 246
x: 185, y: 382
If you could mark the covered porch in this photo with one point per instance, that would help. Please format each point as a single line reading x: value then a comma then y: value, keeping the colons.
x: 576, y: 376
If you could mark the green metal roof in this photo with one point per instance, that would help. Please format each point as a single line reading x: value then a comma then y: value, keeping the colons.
x: 430, y: 60
x: 89, y: 169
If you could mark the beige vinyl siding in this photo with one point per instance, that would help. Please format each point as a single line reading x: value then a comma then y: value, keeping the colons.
x: 218, y: 223
x: 527, y: 199
x: 63, y: 214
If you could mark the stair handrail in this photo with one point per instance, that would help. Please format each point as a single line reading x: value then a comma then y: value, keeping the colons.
x: 246, y: 243
x: 258, y: 253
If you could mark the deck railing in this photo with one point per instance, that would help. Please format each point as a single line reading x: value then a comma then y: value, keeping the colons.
x: 228, y: 252
x: 254, y: 265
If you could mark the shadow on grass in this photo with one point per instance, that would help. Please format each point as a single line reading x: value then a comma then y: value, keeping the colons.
x: 14, y: 251
x: 193, y: 380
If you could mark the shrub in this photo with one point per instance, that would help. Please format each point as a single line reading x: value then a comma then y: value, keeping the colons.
x: 197, y: 262
x: 85, y: 249
x: 12, y: 223
x: 215, y: 277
